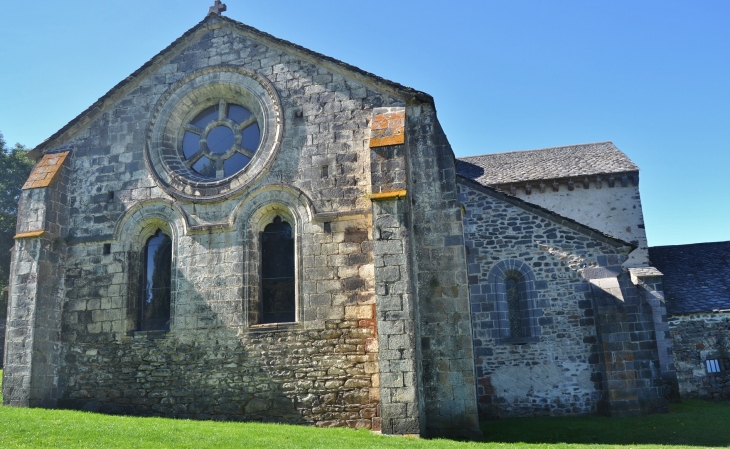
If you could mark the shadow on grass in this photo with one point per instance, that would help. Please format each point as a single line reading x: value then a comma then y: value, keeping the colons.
x: 690, y: 423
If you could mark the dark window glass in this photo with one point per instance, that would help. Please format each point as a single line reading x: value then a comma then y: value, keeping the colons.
x: 155, y: 307
x: 277, y: 273
x: 251, y: 137
x: 205, y: 167
x: 220, y: 139
x: 513, y: 307
x: 234, y: 163
x: 191, y: 144
x: 205, y: 117
x: 238, y: 114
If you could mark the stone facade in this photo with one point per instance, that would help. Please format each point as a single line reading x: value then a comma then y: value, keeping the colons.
x: 424, y: 294
x: 352, y: 356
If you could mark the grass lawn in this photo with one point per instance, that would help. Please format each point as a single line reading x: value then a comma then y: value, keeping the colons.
x: 692, y: 423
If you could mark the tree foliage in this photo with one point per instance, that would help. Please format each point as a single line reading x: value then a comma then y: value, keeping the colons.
x: 15, y: 168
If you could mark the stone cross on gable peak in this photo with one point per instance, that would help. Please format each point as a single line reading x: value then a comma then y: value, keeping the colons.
x: 217, y: 8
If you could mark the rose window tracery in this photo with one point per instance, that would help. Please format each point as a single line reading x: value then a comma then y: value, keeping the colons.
x: 220, y: 140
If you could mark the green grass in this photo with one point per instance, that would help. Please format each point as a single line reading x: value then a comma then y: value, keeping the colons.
x: 692, y: 423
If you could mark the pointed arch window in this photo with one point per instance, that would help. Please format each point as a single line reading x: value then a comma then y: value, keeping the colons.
x: 154, y: 308
x: 278, y: 280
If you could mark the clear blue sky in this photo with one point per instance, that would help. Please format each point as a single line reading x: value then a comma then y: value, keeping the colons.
x: 651, y: 76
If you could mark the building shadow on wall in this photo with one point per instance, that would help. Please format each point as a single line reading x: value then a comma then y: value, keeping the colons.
x: 690, y: 423
x: 469, y: 170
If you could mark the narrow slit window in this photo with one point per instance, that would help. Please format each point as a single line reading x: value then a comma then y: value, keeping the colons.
x: 278, y: 287
x: 155, y: 301
x: 514, y: 311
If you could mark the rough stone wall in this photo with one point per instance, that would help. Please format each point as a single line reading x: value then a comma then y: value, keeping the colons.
x: 560, y: 372
x: 318, y: 377
x: 615, y: 211
x: 440, y: 277
x: 697, y: 338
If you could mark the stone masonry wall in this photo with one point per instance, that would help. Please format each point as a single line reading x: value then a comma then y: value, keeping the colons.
x: 214, y: 363
x: 616, y: 210
x: 559, y: 372
x: 316, y: 377
x: 326, y: 118
x: 627, y: 335
x: 697, y: 338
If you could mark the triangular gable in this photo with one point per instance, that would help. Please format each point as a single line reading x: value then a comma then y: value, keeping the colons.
x: 546, y: 213
x: 211, y: 22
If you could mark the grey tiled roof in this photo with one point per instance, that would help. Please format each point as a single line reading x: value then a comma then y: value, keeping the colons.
x: 696, y: 277
x: 548, y: 163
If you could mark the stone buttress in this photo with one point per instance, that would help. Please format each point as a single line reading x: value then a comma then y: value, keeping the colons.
x: 425, y: 355
x: 30, y: 377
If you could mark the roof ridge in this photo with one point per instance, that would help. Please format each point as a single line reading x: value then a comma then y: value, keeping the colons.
x: 690, y: 244
x: 540, y: 149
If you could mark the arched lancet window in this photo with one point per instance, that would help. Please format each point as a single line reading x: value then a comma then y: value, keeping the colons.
x: 511, y: 308
x: 278, y: 283
x: 155, y: 299
x: 514, y: 308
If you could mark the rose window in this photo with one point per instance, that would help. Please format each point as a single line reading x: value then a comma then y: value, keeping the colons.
x: 221, y: 140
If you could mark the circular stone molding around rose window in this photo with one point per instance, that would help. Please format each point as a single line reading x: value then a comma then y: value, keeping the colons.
x: 213, y: 133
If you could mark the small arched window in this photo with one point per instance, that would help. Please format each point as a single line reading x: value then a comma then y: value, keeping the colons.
x: 155, y: 299
x: 278, y: 283
x: 513, y: 308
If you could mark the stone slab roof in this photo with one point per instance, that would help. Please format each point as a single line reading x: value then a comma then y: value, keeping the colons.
x: 548, y: 163
x: 696, y: 277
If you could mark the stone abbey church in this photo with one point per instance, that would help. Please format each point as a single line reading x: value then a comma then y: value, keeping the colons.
x: 245, y: 229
